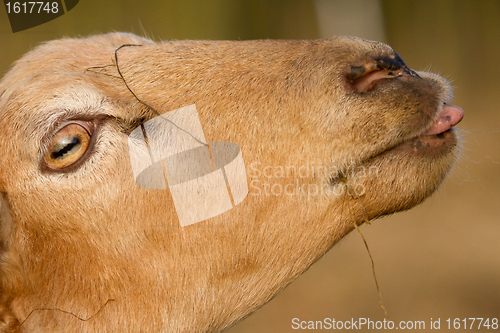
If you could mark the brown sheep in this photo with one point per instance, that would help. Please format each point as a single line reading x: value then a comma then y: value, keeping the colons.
x: 332, y: 132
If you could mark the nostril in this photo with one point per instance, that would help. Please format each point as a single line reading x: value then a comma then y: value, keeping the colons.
x: 369, y: 80
x: 365, y: 77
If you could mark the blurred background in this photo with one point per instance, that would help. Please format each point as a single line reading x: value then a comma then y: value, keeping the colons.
x: 439, y: 260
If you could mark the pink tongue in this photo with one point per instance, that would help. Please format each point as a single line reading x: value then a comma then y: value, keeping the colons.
x: 447, y: 118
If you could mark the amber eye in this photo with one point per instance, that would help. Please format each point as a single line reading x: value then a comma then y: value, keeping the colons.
x: 67, y: 146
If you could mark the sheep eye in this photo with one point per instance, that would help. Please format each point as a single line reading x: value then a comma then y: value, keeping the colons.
x: 67, y: 146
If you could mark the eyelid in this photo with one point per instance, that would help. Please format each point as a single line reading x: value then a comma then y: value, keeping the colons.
x: 88, y: 125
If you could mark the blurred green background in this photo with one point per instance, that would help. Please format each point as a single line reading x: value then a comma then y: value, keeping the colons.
x: 439, y: 260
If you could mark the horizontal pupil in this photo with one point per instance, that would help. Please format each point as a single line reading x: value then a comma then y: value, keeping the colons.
x: 64, y: 146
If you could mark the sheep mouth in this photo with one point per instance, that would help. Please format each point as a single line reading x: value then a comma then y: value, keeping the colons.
x: 439, y: 138
x: 440, y: 133
x: 436, y: 141
x: 448, y: 117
